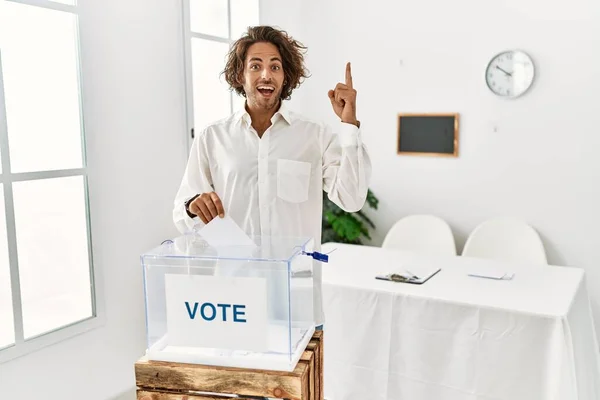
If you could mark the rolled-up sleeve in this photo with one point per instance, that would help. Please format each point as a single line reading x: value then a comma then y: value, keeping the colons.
x: 346, y: 167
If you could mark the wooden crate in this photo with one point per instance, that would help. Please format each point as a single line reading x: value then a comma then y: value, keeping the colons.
x: 159, y: 380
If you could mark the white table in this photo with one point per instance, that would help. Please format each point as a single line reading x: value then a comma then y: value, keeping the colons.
x: 455, y: 337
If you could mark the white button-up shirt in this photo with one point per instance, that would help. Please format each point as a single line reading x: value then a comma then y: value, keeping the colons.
x: 274, y: 185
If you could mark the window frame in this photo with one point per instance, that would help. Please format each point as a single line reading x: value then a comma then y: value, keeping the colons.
x: 22, y: 346
x: 188, y: 35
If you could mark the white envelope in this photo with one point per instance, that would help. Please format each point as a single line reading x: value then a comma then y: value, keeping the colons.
x: 224, y: 232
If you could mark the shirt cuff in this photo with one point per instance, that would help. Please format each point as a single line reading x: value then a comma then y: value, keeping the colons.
x: 185, y: 207
x: 348, y: 135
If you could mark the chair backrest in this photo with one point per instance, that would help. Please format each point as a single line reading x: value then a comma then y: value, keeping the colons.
x: 506, y: 239
x: 426, y: 234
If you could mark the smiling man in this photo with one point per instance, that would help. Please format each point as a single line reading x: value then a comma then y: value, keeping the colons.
x: 267, y: 167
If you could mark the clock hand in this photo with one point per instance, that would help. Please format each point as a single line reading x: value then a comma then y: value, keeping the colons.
x: 507, y: 73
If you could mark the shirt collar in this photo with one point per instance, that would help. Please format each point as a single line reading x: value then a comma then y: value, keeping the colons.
x: 242, y: 115
x: 284, y: 112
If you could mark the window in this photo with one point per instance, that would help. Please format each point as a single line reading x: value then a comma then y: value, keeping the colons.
x: 46, y: 279
x: 210, y: 28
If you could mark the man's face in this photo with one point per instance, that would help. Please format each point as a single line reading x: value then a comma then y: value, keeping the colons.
x: 263, y: 76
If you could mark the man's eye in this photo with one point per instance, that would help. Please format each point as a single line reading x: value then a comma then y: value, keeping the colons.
x: 276, y: 67
x: 255, y: 66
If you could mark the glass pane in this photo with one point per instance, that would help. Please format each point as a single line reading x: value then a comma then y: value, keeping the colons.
x: 7, y: 331
x: 244, y: 13
x: 211, y: 92
x: 53, y: 253
x: 39, y: 62
x: 209, y: 17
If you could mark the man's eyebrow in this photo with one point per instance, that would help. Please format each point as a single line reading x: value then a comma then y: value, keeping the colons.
x: 260, y: 59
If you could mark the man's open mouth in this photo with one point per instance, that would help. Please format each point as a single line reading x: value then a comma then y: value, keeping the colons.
x: 266, y: 90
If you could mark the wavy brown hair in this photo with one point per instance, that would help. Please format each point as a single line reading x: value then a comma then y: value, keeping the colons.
x: 292, y: 54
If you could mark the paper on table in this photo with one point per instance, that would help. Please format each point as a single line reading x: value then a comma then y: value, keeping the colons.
x: 491, y: 273
x: 414, y: 274
x: 421, y: 272
x: 224, y: 232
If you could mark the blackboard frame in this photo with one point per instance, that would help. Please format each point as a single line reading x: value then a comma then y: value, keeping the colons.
x: 400, y: 151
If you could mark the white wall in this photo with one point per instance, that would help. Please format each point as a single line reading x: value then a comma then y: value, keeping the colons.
x: 136, y: 144
x: 534, y: 158
x: 135, y: 119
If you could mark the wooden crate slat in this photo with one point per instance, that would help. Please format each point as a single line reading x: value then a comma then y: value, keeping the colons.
x: 313, y: 347
x: 306, y: 355
x: 162, y: 380
x: 141, y: 394
x: 305, y: 394
x: 317, y: 341
x: 309, y: 357
x: 193, y: 377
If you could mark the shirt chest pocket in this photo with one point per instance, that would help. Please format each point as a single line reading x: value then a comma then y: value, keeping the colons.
x: 293, y: 180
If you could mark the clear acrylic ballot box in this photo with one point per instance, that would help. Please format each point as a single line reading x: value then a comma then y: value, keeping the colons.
x: 245, y: 306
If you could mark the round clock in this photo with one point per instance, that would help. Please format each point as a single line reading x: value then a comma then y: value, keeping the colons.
x: 510, y: 73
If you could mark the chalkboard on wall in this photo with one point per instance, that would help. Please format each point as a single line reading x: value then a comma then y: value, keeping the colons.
x: 428, y: 134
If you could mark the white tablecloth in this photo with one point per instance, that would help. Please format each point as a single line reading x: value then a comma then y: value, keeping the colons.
x: 455, y: 337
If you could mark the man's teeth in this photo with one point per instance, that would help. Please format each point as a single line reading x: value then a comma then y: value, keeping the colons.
x: 265, y: 88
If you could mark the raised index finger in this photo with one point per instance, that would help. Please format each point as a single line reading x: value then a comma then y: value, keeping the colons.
x: 348, y: 76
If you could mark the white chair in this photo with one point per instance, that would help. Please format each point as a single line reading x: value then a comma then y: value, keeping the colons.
x: 425, y: 234
x: 506, y: 239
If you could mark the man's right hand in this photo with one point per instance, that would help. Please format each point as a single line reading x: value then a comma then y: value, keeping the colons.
x: 207, y: 206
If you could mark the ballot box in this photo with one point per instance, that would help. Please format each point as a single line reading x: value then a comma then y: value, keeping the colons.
x: 245, y: 306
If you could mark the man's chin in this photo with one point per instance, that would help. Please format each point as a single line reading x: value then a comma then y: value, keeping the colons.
x: 268, y: 103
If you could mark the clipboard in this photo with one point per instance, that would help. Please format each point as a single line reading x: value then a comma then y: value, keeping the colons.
x: 406, y: 278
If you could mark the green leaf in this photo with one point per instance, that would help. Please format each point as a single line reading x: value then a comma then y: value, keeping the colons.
x: 372, y: 200
x: 367, y: 219
x: 344, y: 227
x: 348, y: 227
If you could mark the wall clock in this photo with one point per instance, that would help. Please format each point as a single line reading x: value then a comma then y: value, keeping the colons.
x: 510, y: 73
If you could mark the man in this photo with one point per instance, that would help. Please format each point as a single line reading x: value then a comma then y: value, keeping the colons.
x: 266, y: 166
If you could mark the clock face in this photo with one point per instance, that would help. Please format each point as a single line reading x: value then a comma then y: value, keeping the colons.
x: 510, y: 74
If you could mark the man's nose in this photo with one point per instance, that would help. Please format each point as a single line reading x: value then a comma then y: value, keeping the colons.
x: 266, y: 74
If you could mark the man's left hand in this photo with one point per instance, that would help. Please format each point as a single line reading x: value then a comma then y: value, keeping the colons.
x: 343, y: 99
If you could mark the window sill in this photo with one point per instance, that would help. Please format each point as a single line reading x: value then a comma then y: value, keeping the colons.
x: 34, y: 344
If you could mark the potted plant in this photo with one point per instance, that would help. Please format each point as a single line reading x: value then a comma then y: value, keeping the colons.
x: 343, y: 227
